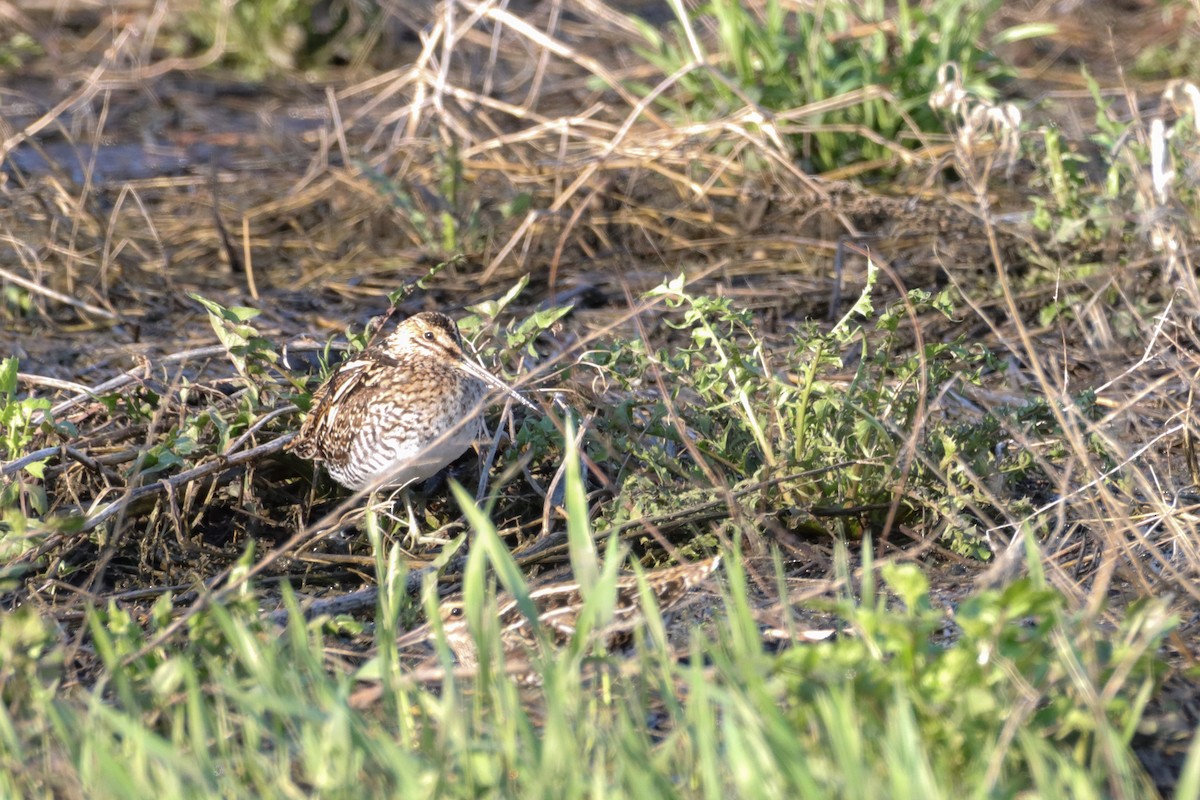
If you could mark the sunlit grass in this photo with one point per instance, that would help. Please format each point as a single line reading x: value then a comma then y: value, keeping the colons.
x: 1019, y: 700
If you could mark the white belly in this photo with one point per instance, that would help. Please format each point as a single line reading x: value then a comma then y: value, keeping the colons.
x: 402, y: 460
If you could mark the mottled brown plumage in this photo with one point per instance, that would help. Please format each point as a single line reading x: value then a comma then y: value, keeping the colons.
x: 399, y: 411
x: 558, y: 605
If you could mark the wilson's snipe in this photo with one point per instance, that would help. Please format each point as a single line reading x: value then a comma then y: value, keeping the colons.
x: 558, y: 605
x: 399, y: 411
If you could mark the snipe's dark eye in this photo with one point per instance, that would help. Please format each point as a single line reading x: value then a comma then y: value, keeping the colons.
x: 429, y: 336
x: 456, y: 612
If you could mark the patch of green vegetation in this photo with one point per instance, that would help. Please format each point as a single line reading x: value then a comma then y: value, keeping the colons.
x: 1005, y: 702
x: 23, y: 500
x: 17, y: 303
x: 805, y: 425
x: 1126, y: 189
x: 251, y: 354
x: 264, y: 37
x: 1011, y: 691
x: 16, y: 49
x: 1022, y: 698
x: 519, y: 334
x: 1118, y: 193
x: 826, y: 421
x: 1075, y: 209
x: 444, y: 217
x: 17, y: 417
x: 1176, y: 58
x: 870, y: 67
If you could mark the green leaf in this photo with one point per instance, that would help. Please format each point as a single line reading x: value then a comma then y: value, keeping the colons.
x: 862, y: 306
x: 907, y: 581
x: 490, y: 309
x: 488, y: 541
x: 39, y: 503
x: 8, y: 376
x: 580, y: 544
x: 516, y: 206
x: 1028, y: 30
